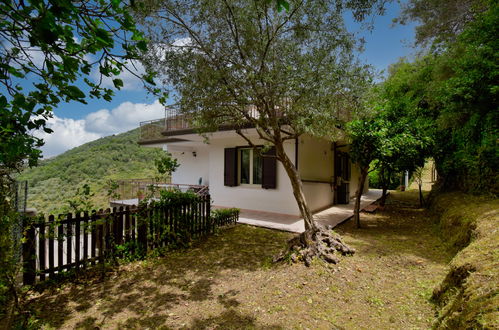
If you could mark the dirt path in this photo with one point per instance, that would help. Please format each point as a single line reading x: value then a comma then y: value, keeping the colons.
x: 228, y: 282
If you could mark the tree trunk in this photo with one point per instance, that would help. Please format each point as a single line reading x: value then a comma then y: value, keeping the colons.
x: 383, y: 196
x: 358, y: 195
x: 421, y: 198
x: 296, y: 183
x: 384, y: 186
x: 315, y: 242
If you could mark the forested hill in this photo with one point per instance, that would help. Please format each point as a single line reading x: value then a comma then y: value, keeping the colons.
x: 114, y: 157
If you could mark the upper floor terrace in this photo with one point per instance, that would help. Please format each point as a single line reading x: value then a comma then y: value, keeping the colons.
x: 174, y: 123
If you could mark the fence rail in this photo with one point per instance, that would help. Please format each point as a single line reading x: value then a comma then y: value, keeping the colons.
x: 134, y: 188
x: 74, y: 241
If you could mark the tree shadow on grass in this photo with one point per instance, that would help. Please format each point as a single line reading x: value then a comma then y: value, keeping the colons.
x: 144, y: 293
x: 401, y: 229
x: 230, y: 319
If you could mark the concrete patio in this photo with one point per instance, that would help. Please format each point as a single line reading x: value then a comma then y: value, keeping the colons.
x: 333, y: 215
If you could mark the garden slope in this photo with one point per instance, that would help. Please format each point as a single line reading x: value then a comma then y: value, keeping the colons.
x: 469, y: 295
x: 114, y: 157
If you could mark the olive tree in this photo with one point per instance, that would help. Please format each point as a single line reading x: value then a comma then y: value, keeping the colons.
x: 227, y: 60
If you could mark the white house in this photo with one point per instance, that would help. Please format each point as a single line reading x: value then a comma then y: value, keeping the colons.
x: 238, y: 177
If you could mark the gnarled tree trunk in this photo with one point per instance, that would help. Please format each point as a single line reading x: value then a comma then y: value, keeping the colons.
x: 297, y: 185
x: 315, y: 241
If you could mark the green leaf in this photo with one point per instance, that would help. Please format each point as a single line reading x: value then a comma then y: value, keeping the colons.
x: 118, y: 83
x: 282, y: 4
x: 74, y: 93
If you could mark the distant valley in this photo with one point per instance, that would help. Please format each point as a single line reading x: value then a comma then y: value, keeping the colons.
x: 115, y: 157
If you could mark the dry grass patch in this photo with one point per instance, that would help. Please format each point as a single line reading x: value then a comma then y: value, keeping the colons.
x: 228, y: 281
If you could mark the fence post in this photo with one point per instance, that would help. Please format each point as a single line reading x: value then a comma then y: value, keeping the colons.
x: 142, y: 228
x: 208, y: 213
x: 29, y: 251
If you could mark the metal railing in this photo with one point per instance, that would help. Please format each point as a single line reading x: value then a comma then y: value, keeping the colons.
x: 140, y: 188
x: 173, y: 121
x: 152, y: 129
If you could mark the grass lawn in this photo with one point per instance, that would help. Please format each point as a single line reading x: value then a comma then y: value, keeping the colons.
x: 228, y: 282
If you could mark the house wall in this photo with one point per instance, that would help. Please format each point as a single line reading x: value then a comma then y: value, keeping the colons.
x: 315, y: 159
x: 279, y: 200
x: 315, y: 163
x: 354, y: 177
x: 192, y: 168
x: 318, y: 196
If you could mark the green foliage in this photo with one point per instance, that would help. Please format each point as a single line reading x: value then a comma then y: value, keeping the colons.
x: 285, y: 63
x: 457, y: 89
x: 369, y: 137
x: 130, y: 251
x: 98, y: 164
x: 440, y: 21
x: 81, y: 201
x: 11, y: 295
x: 468, y: 296
x: 221, y: 214
x: 166, y: 165
x: 376, y: 178
x: 177, y: 197
x: 112, y: 189
x: 242, y: 63
x: 50, y: 43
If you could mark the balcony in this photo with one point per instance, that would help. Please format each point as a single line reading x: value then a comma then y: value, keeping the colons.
x: 176, y: 123
x: 132, y: 191
x: 157, y: 129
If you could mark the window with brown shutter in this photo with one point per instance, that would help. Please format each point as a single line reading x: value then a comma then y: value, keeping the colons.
x: 230, y: 167
x: 269, y: 169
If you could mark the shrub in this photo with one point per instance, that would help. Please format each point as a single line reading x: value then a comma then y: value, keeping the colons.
x: 222, y: 216
x: 176, y: 197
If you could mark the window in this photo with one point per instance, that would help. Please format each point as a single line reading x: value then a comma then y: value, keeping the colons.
x: 250, y: 166
x: 246, y: 167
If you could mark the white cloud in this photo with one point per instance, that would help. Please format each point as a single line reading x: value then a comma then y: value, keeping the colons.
x: 122, y: 118
x: 69, y: 133
x: 183, y: 42
x: 130, y: 80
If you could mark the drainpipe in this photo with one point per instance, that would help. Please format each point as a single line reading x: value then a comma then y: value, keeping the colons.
x: 297, y: 141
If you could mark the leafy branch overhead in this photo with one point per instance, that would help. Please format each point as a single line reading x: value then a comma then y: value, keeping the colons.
x: 49, y: 50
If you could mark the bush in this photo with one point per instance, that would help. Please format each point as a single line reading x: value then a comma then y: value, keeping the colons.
x: 375, y: 182
x: 176, y: 197
x: 224, y: 216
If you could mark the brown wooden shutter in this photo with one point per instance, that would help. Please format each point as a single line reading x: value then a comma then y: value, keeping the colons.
x: 346, y: 167
x: 230, y: 167
x: 337, y: 164
x: 269, y: 170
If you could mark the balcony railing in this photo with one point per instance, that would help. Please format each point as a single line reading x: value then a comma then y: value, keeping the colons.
x: 151, y: 130
x: 173, y: 121
x: 140, y: 188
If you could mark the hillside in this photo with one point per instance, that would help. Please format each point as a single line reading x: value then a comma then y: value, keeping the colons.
x: 114, y: 157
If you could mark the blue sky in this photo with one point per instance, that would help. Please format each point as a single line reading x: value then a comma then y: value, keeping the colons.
x: 76, y: 123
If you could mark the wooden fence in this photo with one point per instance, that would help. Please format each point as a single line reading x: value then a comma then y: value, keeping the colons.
x: 72, y: 242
